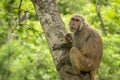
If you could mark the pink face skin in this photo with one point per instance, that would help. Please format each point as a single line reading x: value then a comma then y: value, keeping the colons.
x: 74, y: 24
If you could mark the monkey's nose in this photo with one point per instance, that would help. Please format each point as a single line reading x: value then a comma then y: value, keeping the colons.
x: 72, y: 24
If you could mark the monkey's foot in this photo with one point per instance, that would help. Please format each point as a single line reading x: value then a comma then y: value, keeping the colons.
x: 73, y: 72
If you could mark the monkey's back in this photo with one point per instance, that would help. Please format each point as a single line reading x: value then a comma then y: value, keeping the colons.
x: 89, y: 42
x: 92, y: 48
x: 98, y: 51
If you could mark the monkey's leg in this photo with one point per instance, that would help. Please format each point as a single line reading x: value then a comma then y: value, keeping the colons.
x: 72, y: 70
x: 74, y: 58
x: 92, y: 74
x: 79, y: 61
x: 63, y: 61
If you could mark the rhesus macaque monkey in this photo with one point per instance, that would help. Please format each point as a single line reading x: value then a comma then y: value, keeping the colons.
x: 86, y: 51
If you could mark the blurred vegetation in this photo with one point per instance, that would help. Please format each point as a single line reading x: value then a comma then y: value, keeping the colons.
x: 24, y: 53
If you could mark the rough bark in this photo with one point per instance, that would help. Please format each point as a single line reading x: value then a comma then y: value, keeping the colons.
x: 54, y: 30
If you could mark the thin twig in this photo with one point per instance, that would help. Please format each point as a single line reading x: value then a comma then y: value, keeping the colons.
x: 100, y: 17
x: 19, y: 11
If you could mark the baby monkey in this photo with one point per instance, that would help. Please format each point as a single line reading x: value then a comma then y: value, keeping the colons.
x: 65, y: 46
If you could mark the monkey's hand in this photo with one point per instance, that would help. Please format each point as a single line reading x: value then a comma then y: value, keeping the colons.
x: 61, y: 46
x: 56, y: 47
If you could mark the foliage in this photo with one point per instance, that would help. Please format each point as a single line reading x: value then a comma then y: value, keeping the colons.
x: 26, y: 61
x: 109, y: 69
x: 24, y: 52
x: 109, y: 12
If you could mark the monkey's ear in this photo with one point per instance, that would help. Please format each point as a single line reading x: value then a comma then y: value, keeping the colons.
x: 80, y: 28
x: 82, y: 19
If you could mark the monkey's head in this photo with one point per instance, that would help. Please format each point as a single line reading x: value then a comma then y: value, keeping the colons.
x: 75, y: 23
x: 68, y: 38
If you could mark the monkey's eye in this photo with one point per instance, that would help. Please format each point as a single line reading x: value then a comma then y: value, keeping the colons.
x: 77, y: 20
x: 73, y: 19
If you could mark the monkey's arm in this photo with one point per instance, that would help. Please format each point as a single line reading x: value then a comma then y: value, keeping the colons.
x: 66, y: 44
x: 62, y: 46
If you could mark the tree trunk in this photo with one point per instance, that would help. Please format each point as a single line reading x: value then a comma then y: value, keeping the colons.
x: 54, y: 30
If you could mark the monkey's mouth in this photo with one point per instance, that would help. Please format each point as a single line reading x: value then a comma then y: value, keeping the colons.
x: 71, y: 27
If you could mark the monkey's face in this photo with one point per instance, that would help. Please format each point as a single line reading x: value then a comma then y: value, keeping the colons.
x: 74, y: 24
x: 68, y: 38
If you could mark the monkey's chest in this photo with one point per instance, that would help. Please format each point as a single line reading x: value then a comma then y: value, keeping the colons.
x: 83, y: 47
x: 78, y: 43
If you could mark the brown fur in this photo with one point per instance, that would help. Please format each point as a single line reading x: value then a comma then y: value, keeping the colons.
x: 86, y: 52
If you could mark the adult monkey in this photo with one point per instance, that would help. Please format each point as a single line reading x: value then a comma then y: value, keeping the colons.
x: 86, y: 52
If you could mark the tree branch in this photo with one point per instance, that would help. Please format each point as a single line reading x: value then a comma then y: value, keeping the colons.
x: 19, y: 11
x: 100, y: 17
